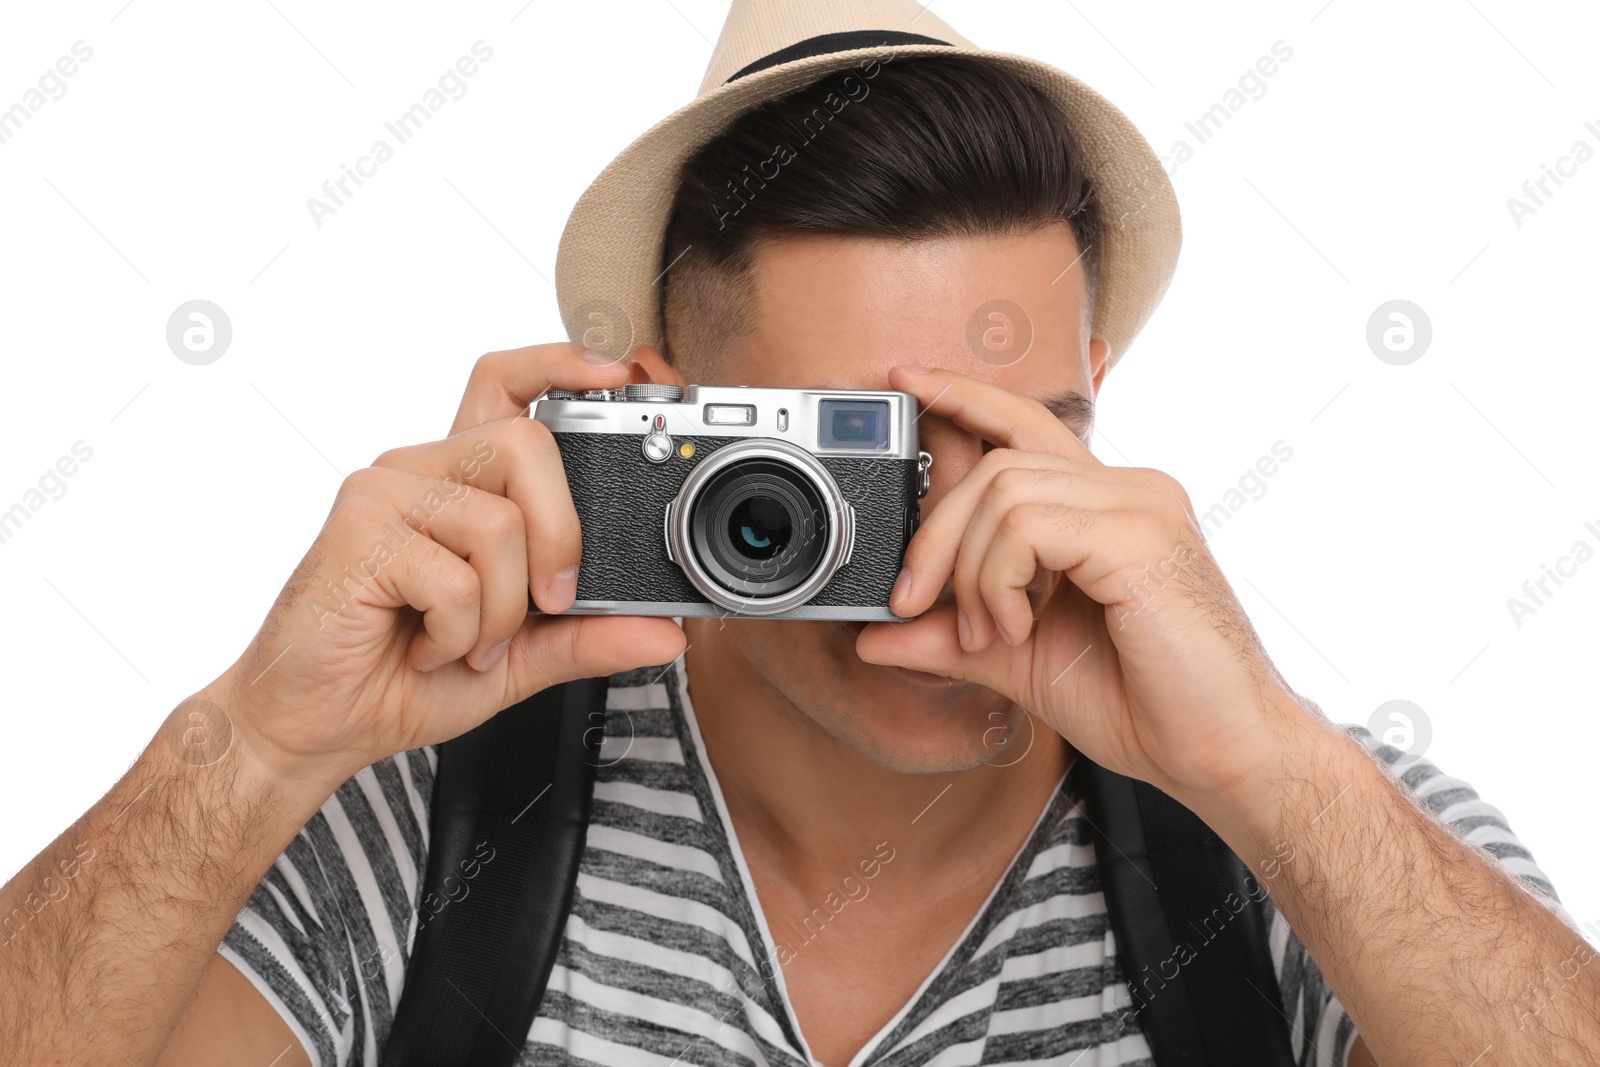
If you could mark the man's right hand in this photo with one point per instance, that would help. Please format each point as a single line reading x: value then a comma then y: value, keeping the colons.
x: 383, y: 640
x: 407, y: 623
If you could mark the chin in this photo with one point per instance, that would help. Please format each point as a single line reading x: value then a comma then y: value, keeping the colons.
x: 911, y: 722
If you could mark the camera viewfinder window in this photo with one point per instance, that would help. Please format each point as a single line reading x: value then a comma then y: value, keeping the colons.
x: 853, y: 424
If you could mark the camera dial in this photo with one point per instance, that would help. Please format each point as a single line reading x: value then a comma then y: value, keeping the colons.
x: 672, y: 394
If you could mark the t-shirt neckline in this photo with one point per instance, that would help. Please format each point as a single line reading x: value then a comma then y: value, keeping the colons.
x: 763, y: 930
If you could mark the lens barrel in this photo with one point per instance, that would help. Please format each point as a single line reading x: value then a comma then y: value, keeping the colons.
x: 759, y: 527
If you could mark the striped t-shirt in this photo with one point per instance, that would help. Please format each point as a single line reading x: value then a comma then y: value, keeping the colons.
x: 666, y: 958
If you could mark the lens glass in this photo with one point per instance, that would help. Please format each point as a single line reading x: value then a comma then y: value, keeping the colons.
x: 759, y: 527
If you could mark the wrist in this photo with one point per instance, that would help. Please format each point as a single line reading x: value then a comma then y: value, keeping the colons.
x: 214, y: 731
x: 1298, y: 767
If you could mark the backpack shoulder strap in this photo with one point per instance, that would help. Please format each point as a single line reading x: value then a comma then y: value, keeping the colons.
x: 1192, y: 937
x: 510, y: 807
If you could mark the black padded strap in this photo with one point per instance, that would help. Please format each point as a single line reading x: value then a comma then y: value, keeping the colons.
x: 1191, y: 932
x: 510, y: 809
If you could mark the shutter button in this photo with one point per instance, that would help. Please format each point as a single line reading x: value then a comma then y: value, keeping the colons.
x: 657, y: 445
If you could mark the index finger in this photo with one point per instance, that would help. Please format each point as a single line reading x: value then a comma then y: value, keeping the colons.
x: 518, y: 459
x: 504, y: 383
x: 1002, y: 418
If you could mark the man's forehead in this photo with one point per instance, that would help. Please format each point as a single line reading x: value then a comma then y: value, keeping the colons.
x: 948, y: 296
x: 833, y: 312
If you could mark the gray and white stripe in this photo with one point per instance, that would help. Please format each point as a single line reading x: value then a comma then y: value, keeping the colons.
x: 663, y: 961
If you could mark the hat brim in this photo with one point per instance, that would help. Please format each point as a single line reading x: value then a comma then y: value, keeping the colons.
x: 609, y: 262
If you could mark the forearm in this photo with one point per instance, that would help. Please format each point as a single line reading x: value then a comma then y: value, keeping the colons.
x: 105, y: 934
x: 1436, y: 952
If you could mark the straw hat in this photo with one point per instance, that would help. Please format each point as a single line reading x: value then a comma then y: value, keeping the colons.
x: 609, y: 263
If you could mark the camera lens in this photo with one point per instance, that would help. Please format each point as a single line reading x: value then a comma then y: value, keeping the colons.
x: 758, y: 527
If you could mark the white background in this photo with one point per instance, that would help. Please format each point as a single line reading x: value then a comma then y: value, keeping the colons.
x: 1377, y: 165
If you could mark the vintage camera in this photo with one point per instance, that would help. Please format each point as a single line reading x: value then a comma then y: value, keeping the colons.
x: 739, y: 501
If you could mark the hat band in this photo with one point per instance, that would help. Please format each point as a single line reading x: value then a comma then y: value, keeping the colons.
x: 826, y: 43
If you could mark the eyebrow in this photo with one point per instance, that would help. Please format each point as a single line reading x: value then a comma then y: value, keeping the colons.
x: 1071, y: 407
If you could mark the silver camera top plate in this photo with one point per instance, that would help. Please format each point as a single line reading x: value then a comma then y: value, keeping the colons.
x: 791, y: 415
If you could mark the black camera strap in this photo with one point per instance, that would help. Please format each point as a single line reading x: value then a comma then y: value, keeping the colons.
x: 523, y: 781
x: 520, y: 784
x: 1192, y: 936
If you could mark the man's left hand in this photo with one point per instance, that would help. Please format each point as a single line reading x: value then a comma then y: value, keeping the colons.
x: 1084, y: 593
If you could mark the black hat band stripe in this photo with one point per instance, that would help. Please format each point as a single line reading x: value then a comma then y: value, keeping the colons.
x: 823, y: 44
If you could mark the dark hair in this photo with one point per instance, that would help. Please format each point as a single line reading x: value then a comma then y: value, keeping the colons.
x: 924, y: 146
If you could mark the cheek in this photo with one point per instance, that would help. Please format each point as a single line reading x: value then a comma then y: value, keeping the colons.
x: 954, y: 450
x: 950, y: 466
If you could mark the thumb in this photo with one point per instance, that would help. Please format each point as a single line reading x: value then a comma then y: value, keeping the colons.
x: 929, y: 643
x: 549, y: 649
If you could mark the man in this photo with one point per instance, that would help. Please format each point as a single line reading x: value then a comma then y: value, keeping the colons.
x: 813, y: 842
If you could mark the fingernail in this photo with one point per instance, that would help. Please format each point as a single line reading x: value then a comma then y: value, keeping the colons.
x: 1001, y: 630
x: 902, y: 586
x: 599, y: 359
x: 495, y: 655
x: 963, y: 628
x: 564, y: 586
x: 915, y: 370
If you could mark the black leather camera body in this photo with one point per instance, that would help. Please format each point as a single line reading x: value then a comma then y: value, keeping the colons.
x: 738, y: 501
